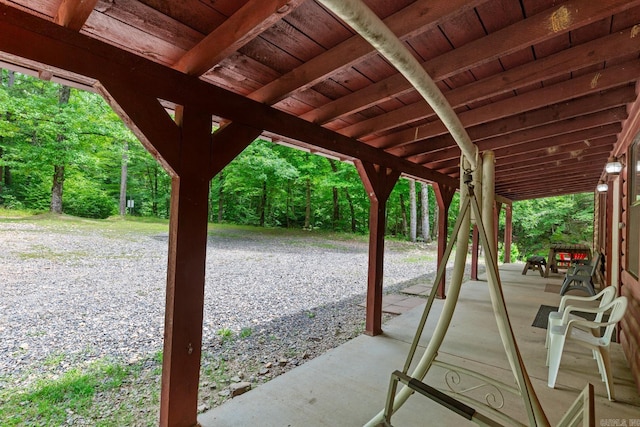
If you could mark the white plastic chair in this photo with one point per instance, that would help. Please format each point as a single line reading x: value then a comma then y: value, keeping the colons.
x: 569, y: 330
x: 555, y: 317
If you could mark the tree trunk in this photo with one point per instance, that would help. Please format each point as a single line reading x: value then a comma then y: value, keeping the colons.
x: 352, y: 211
x: 2, y: 181
x: 336, y: 209
x: 155, y: 191
x: 221, y: 196
x: 58, y: 170
x: 336, y: 206
x: 413, y: 211
x: 263, y: 203
x: 5, y: 172
x: 123, y: 179
x: 56, y: 189
x: 436, y: 219
x: 307, y: 212
x: 288, y: 204
x: 424, y: 201
x: 403, y: 216
x: 1, y: 168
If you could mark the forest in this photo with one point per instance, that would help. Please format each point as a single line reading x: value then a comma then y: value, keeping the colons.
x: 64, y: 150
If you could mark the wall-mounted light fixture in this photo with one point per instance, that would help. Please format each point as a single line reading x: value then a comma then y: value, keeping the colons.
x: 602, y: 187
x: 613, y: 166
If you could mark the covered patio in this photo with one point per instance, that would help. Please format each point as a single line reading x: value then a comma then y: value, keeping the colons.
x: 549, y: 89
x: 348, y: 385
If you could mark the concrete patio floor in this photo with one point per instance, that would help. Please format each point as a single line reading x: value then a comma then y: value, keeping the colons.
x: 347, y: 386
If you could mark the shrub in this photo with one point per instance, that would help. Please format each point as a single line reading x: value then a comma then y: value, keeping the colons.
x: 86, y: 200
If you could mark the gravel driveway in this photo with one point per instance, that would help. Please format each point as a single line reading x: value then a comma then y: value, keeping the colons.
x: 76, y: 293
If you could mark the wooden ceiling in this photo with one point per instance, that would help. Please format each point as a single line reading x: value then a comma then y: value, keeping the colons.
x: 545, y: 84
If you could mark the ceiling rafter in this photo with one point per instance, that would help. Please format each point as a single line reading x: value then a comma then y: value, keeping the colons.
x: 550, y: 114
x: 553, y: 87
x: 42, y: 41
x: 580, y: 86
x: 553, y: 134
x: 419, y: 17
x: 74, y: 13
x: 595, y: 52
x: 597, y: 146
x: 511, y: 39
x: 545, y: 156
x: 247, y: 23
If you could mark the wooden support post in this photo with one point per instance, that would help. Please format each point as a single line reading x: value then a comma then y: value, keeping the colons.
x: 444, y: 195
x: 474, y: 253
x: 609, y: 222
x: 185, y: 271
x: 508, y: 233
x: 189, y: 152
x: 497, y: 207
x: 379, y: 182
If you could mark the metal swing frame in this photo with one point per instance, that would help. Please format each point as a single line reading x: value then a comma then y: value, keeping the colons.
x: 581, y: 413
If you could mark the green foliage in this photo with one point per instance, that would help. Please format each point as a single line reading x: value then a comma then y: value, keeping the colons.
x: 266, y: 185
x: 51, y: 401
x: 246, y: 332
x: 226, y: 334
x: 84, y: 198
x: 539, y: 222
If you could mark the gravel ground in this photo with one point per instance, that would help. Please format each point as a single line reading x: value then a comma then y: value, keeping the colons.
x: 273, y: 298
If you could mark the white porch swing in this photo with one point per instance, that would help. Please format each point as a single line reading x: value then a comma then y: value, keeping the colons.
x: 476, y: 172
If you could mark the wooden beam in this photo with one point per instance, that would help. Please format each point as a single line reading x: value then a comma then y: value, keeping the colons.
x: 513, y: 38
x: 378, y: 181
x: 408, y: 22
x: 475, y: 238
x: 186, y: 272
x: 508, y: 232
x: 525, y: 185
x: 228, y: 142
x: 74, y: 13
x: 444, y: 196
x: 586, y: 127
x: 42, y: 41
x: 147, y: 119
x: 550, y: 114
x: 558, y: 171
x: 580, y: 86
x: 579, y: 185
x: 253, y: 18
x: 565, y: 152
x: 542, y: 157
x: 584, y: 187
x: 598, y: 51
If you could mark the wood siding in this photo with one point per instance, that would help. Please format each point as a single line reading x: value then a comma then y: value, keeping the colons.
x: 629, y: 328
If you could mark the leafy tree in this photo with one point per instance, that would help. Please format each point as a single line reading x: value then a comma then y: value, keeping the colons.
x: 256, y: 182
x: 56, y: 138
x: 538, y: 223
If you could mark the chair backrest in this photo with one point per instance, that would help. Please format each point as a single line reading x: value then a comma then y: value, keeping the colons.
x: 595, y: 261
x: 618, y: 307
x: 606, y: 296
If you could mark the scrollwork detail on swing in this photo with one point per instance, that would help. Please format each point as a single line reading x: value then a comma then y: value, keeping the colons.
x: 493, y: 398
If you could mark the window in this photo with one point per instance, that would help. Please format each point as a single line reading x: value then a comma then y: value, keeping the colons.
x: 633, y: 218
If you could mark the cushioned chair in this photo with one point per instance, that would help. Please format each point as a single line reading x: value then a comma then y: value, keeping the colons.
x: 605, y: 296
x: 581, y: 277
x: 571, y: 330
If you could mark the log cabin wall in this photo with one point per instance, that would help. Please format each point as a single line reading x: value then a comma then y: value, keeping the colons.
x: 629, y: 328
